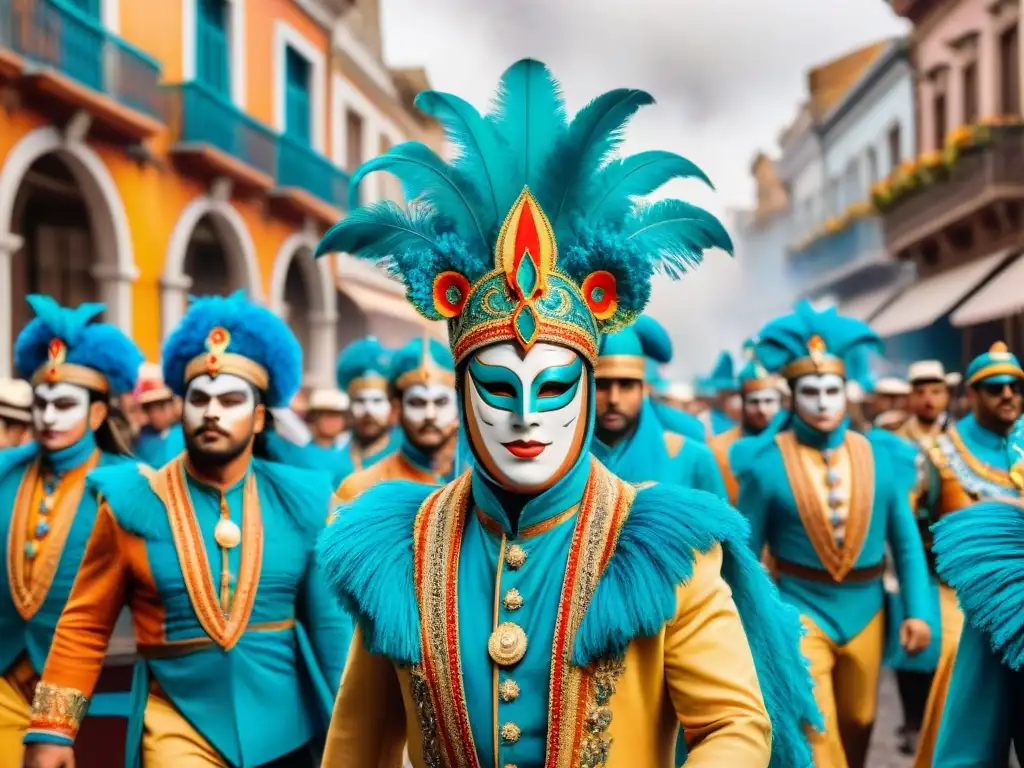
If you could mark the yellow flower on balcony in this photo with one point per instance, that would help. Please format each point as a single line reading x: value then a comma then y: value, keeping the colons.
x: 834, y: 224
x: 931, y: 159
x: 961, y: 137
x: 860, y: 210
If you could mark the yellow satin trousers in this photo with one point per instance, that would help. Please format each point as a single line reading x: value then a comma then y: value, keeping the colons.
x: 952, y: 621
x: 14, y: 717
x: 846, y: 689
x: 170, y: 741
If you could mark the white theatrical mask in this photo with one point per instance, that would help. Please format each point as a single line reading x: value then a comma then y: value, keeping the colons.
x: 820, y: 395
x: 47, y: 417
x: 526, y: 410
x: 430, y: 402
x: 195, y: 414
x: 371, y: 402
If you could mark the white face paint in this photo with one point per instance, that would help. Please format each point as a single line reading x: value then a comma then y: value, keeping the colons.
x: 820, y: 400
x: 226, y: 398
x: 371, y: 402
x: 59, y: 407
x: 527, y: 411
x: 429, y: 402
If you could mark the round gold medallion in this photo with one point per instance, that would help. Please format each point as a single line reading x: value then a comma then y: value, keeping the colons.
x: 227, y: 534
x: 515, y: 557
x: 507, y: 644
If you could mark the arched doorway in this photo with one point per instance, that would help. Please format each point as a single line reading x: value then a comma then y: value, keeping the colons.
x: 210, y: 252
x: 63, y: 231
x: 352, y: 322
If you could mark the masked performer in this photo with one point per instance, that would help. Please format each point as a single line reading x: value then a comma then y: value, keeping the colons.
x: 762, y: 400
x: 423, y: 382
x: 363, y: 374
x: 978, y: 553
x: 827, y: 502
x: 240, y: 645
x: 76, y: 365
x: 500, y: 621
x: 969, y: 464
x: 630, y: 440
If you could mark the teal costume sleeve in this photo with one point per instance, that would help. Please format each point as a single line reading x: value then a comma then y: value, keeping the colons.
x: 755, y: 504
x: 976, y: 728
x: 330, y: 628
x: 908, y: 554
x: 703, y: 469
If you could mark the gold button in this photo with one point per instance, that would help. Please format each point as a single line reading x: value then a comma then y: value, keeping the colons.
x: 515, y: 556
x: 513, y: 600
x: 508, y: 690
x: 507, y: 644
x: 510, y: 733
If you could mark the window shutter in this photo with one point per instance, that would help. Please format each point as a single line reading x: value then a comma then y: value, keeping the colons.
x: 298, y: 106
x: 212, y: 50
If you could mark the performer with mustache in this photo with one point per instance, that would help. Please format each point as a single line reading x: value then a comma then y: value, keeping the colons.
x: 213, y: 554
x: 968, y: 464
x: 76, y: 366
x: 422, y: 380
x: 538, y: 609
x: 828, y: 502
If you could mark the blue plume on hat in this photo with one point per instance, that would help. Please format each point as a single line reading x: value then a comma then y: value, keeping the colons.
x: 256, y: 333
x: 100, y: 346
x: 363, y: 357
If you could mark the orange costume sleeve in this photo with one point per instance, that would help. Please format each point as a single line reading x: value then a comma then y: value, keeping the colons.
x: 83, y: 633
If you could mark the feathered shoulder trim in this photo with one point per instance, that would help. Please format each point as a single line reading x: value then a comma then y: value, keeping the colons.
x: 979, y: 552
x: 366, y: 554
x: 126, y: 489
x: 665, y: 529
x: 303, y: 494
x: 12, y: 459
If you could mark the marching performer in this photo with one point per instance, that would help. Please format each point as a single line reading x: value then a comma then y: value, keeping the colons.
x: 363, y: 374
x: 630, y: 439
x: 213, y: 554
x: 762, y: 400
x: 659, y: 347
x: 928, y: 403
x: 160, y: 439
x: 969, y: 464
x: 721, y: 386
x: 978, y: 553
x: 499, y: 617
x: 827, y: 501
x: 15, y: 412
x: 422, y: 378
x: 76, y: 366
x: 326, y: 418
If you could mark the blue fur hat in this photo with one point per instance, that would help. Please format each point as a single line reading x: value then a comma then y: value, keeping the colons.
x: 997, y: 366
x: 364, y: 358
x: 422, y: 361
x: 229, y: 334
x: 809, y: 341
x: 60, y: 336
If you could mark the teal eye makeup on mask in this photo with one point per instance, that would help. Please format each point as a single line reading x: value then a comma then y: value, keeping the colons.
x: 551, y: 390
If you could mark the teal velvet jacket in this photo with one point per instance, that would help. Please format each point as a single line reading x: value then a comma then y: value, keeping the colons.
x: 644, y: 456
x: 33, y: 635
x: 841, y: 610
x: 978, y: 552
x: 157, y: 449
x: 684, y: 423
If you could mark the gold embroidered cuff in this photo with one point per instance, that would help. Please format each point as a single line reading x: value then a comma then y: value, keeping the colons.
x: 620, y: 367
x: 806, y: 366
x: 214, y: 364
x: 57, y: 710
x: 363, y: 383
x: 69, y: 373
x: 997, y: 369
x: 425, y: 375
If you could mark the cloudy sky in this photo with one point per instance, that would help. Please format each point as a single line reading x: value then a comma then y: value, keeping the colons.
x: 728, y: 76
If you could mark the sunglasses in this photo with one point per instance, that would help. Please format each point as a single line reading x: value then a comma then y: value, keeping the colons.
x: 995, y: 390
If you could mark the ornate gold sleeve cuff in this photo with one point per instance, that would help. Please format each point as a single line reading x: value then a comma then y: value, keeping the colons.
x: 57, y: 710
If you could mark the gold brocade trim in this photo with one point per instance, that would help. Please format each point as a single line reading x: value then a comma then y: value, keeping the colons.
x: 57, y: 710
x: 228, y: 362
x: 425, y: 375
x: 978, y: 467
x: 430, y: 741
x: 577, y: 718
x: 436, y: 540
x: 29, y: 591
x: 809, y: 365
x: 81, y: 375
x: 493, y: 526
x: 620, y: 367
x: 748, y: 386
x: 225, y: 629
x: 838, y: 561
x: 549, y: 330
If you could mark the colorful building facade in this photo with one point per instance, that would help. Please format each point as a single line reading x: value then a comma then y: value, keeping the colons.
x: 153, y: 150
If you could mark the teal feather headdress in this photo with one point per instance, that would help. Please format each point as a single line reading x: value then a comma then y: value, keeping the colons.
x: 364, y: 362
x: 808, y: 341
x: 535, y: 232
x: 722, y: 377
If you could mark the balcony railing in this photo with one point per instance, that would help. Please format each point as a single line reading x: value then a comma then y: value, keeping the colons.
x: 299, y: 165
x: 206, y: 117
x: 54, y: 34
x: 836, y: 251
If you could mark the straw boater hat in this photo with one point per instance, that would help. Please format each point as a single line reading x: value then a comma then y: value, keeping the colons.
x: 926, y: 371
x: 327, y: 401
x: 954, y: 379
x: 891, y: 387
x: 16, y: 400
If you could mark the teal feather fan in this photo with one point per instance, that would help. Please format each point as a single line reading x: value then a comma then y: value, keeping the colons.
x: 593, y: 200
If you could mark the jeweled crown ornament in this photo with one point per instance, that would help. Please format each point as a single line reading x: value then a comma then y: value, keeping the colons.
x: 216, y: 345
x: 56, y: 355
x: 535, y: 232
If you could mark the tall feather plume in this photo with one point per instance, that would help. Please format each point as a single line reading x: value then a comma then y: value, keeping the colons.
x: 594, y: 134
x: 428, y: 178
x: 382, y: 232
x: 65, y: 323
x: 610, y: 196
x: 529, y: 115
x: 678, y: 232
x: 482, y: 155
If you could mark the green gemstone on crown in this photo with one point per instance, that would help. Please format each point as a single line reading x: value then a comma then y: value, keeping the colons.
x: 527, y: 275
x: 527, y: 323
x: 597, y: 294
x: 452, y: 294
